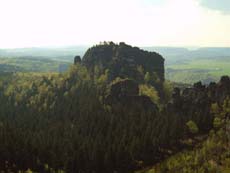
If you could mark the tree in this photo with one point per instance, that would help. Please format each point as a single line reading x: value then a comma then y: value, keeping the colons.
x: 149, y: 91
x: 217, y: 122
x: 168, y: 90
x: 147, y: 77
x: 192, y: 127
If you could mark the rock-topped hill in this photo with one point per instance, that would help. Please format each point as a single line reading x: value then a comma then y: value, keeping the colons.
x: 123, y: 61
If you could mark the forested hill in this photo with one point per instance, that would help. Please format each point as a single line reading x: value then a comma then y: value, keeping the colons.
x: 111, y: 112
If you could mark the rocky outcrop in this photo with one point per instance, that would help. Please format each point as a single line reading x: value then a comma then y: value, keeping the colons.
x: 214, y: 92
x: 77, y: 59
x: 123, y: 61
x: 125, y: 94
x: 198, y: 99
x: 124, y: 88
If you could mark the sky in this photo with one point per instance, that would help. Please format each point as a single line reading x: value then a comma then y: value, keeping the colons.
x: 187, y: 23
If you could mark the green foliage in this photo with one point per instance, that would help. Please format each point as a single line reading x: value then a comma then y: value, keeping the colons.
x: 226, y: 106
x: 60, y: 123
x: 217, y: 123
x: 215, y: 109
x: 192, y: 127
x: 168, y: 90
x: 211, y: 154
x: 102, y: 79
x: 149, y: 91
x: 29, y: 171
x: 147, y: 77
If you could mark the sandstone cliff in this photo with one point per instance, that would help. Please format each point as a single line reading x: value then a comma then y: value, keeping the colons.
x: 123, y: 61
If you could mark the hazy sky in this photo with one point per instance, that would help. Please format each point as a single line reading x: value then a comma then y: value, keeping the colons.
x: 27, y: 23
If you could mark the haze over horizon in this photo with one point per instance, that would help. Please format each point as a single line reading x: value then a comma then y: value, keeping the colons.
x: 186, y: 23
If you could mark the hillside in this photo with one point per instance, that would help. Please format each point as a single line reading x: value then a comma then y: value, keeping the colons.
x: 32, y: 64
x: 112, y: 111
x: 54, y: 53
x: 210, y: 155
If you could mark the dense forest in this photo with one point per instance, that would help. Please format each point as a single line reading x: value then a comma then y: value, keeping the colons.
x: 112, y: 111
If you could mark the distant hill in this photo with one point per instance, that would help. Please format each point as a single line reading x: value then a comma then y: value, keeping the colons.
x: 32, y: 64
x: 58, y: 53
x: 177, y: 54
x: 170, y: 53
x: 187, y: 65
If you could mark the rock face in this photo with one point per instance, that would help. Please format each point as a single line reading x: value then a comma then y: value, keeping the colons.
x: 125, y: 94
x: 198, y: 100
x: 123, y: 61
x: 125, y: 88
x: 77, y: 59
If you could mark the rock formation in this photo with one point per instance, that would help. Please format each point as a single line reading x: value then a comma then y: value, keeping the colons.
x: 77, y: 59
x: 123, y: 61
x: 198, y: 100
x: 125, y: 93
